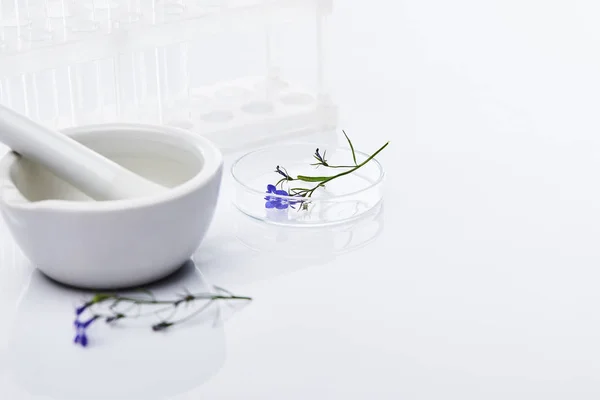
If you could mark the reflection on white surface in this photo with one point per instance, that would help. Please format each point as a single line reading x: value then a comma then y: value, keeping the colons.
x: 119, y: 363
x: 276, y: 251
x: 309, y: 243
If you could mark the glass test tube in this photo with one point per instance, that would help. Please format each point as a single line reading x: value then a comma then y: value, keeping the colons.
x: 85, y: 21
x: 164, y: 11
x: 158, y: 60
x: 3, y: 42
x: 40, y: 29
x: 14, y: 19
x: 44, y: 97
x: 130, y: 15
x: 87, y: 96
x: 68, y: 20
x: 176, y: 84
x: 125, y: 87
x: 14, y: 93
x: 104, y: 13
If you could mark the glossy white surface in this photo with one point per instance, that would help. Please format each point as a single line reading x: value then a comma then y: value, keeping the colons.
x: 481, y: 282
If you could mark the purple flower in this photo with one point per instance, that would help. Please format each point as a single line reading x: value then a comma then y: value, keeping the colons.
x: 320, y: 158
x: 278, y: 202
x: 80, y: 327
x: 79, y: 310
x: 283, y: 172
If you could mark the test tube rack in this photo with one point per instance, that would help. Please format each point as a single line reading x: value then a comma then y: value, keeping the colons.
x: 70, y: 76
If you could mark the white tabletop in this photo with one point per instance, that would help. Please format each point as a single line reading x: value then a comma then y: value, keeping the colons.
x: 477, y: 280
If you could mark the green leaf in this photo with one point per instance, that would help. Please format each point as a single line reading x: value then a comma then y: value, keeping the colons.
x: 100, y: 297
x: 312, y: 178
x: 351, y: 147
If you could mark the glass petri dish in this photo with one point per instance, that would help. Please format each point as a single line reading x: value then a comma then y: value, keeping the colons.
x: 341, y: 200
x: 293, y: 242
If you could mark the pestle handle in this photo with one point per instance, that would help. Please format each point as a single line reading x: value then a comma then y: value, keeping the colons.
x: 90, y: 172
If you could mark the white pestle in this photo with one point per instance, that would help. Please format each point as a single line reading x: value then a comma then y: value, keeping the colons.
x: 90, y: 172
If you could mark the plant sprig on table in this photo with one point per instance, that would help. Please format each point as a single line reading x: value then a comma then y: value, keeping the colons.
x: 129, y: 307
x: 320, y: 181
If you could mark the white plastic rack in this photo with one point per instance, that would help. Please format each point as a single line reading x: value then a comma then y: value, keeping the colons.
x: 76, y: 62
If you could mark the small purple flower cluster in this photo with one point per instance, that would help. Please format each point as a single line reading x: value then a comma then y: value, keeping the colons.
x: 320, y: 158
x: 81, y: 326
x: 278, y: 202
x: 283, y: 172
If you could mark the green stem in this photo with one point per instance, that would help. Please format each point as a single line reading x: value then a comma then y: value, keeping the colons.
x: 187, y: 317
x: 195, y: 297
x: 350, y: 170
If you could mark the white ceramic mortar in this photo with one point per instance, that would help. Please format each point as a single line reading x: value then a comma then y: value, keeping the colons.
x: 120, y: 243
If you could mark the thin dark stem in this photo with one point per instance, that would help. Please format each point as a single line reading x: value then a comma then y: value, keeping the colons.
x: 191, y: 315
x: 173, y: 305
x: 322, y: 183
x: 173, y: 312
x: 351, y: 147
x: 357, y: 167
x: 139, y: 314
x: 195, y: 297
x: 165, y: 310
x: 220, y: 289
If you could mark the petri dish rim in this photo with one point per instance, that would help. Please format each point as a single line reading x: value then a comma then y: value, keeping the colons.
x: 312, y: 145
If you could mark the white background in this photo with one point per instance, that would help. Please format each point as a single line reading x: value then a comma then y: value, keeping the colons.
x: 483, y: 282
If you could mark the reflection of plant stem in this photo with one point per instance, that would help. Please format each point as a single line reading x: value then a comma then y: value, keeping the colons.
x: 187, y: 298
x: 134, y: 303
